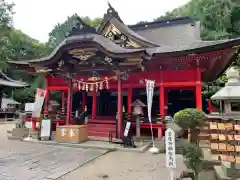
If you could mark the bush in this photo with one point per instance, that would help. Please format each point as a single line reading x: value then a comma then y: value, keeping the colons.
x: 193, y: 156
x: 189, y: 118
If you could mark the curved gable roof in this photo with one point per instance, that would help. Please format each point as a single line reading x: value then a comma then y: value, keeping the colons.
x: 6, y: 81
x: 113, y: 18
x: 179, y: 31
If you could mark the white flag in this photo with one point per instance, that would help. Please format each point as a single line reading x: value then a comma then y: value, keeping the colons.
x: 39, y: 99
x: 150, y: 90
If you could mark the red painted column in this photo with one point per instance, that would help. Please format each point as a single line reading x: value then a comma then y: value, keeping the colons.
x: 166, y: 102
x: 69, y: 103
x: 94, y: 104
x: 119, y: 115
x: 210, y: 108
x: 129, y: 101
x: 161, y: 100
x: 45, y: 112
x: 63, y: 101
x: 198, y: 91
x: 199, y: 96
x: 84, y: 100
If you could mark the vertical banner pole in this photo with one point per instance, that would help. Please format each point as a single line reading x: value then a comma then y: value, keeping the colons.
x: 150, y: 89
x: 171, y: 174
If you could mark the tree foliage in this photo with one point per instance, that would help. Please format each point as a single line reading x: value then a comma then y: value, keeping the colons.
x: 193, y: 158
x: 191, y: 119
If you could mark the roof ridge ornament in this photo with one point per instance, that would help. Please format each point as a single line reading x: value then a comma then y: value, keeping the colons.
x: 81, y: 28
x: 112, y: 12
x: 233, y: 77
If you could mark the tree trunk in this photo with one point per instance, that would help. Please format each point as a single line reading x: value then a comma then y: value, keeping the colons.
x: 194, y: 135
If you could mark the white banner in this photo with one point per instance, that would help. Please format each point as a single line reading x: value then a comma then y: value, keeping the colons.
x: 39, y: 99
x: 150, y: 89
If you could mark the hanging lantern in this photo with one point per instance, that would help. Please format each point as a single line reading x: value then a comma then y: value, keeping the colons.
x: 86, y: 87
x: 101, y: 86
x: 83, y: 86
x: 75, y: 85
x: 91, y: 87
x: 96, y: 87
x: 107, y: 85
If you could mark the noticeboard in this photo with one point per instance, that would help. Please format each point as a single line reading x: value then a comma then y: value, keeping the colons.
x: 45, y: 131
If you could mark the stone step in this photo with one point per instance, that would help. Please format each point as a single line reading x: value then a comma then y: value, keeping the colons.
x: 228, y: 171
x: 220, y: 174
x: 9, y: 131
x: 20, y: 132
x: 14, y: 138
x: 100, y: 133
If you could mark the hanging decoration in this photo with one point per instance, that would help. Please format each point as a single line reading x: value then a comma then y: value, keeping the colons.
x: 93, y: 83
x: 92, y: 86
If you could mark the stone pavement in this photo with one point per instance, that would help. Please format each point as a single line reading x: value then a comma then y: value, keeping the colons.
x: 120, y: 165
x: 25, y: 161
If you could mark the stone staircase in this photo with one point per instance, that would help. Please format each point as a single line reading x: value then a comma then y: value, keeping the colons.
x: 225, y: 172
x: 101, y: 130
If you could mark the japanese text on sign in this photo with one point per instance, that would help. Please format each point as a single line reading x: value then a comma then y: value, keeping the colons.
x: 170, y: 148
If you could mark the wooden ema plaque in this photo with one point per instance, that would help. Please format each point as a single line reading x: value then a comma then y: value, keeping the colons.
x: 204, y: 131
x: 225, y: 140
x: 72, y: 133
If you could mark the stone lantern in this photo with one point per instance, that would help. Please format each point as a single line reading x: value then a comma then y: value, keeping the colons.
x: 138, y: 111
x: 229, y: 96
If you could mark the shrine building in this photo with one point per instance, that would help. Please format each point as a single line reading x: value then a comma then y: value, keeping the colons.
x: 104, y: 70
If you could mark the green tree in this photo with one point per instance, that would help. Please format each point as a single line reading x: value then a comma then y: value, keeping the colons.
x: 193, y: 159
x: 191, y: 119
x: 5, y: 26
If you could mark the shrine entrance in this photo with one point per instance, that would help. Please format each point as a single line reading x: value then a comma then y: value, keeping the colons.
x: 180, y: 99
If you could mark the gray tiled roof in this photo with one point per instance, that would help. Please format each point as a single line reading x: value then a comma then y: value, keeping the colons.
x: 171, y: 35
x: 105, y: 43
x: 197, y: 44
x: 6, y: 81
x: 181, y: 30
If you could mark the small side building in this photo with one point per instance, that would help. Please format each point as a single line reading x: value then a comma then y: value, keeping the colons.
x: 6, y: 82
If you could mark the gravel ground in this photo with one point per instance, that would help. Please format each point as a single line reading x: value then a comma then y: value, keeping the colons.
x: 125, y: 166
x: 112, y: 166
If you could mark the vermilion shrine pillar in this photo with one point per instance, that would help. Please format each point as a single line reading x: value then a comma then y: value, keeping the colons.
x: 119, y: 113
x: 198, y: 91
x: 199, y: 96
x: 45, y: 112
x: 69, y: 103
x: 94, y: 103
x: 165, y: 101
x: 63, y: 101
x: 161, y: 101
x: 84, y: 101
x: 129, y: 110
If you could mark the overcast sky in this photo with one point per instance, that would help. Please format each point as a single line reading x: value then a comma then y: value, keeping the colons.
x: 37, y: 17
